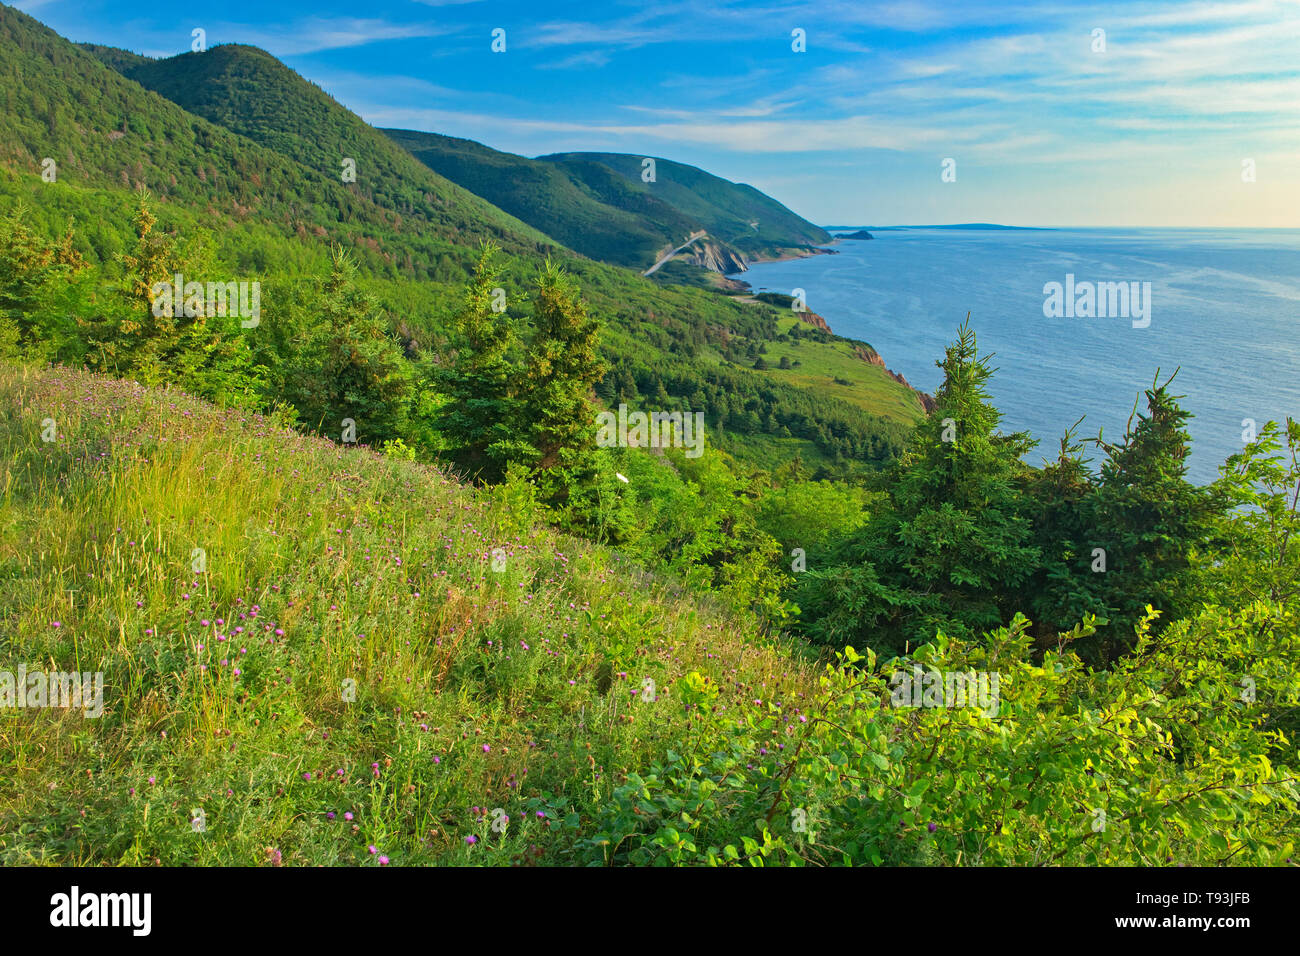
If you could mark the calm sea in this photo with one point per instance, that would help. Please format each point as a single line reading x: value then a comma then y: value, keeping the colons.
x: 1224, y: 309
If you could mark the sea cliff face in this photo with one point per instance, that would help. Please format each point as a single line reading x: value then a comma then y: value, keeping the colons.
x: 812, y: 318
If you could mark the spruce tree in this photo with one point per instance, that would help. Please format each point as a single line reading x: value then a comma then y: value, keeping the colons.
x: 480, y: 420
x: 952, y: 540
x: 1149, y: 517
x: 348, y: 366
x: 562, y: 369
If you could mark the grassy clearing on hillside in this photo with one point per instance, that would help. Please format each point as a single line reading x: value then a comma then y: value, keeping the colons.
x: 225, y: 689
x: 823, y: 363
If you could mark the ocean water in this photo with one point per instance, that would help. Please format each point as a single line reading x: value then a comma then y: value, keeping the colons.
x: 1224, y: 310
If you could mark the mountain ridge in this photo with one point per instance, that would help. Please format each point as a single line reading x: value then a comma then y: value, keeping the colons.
x: 600, y: 205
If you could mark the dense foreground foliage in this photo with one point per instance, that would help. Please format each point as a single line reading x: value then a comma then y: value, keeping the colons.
x: 318, y: 654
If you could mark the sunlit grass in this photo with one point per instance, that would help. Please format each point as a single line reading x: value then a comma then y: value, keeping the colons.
x: 343, y: 648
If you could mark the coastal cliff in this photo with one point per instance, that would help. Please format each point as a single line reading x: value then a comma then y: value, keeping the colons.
x: 716, y: 257
x: 812, y: 318
x: 872, y: 357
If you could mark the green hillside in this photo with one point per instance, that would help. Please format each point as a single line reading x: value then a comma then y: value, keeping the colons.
x: 101, y: 129
x: 349, y: 679
x: 249, y: 92
x: 395, y: 531
x: 733, y: 213
x: 548, y: 197
x: 267, y: 199
x: 598, y: 204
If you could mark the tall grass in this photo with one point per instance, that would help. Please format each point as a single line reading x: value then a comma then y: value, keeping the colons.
x: 344, y: 648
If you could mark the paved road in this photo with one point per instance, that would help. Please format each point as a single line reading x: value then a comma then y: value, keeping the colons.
x: 701, y: 234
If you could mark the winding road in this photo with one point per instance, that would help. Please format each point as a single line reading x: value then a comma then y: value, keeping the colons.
x: 700, y: 234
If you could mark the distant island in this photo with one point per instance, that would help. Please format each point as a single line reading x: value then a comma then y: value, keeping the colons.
x: 860, y: 234
x: 954, y: 225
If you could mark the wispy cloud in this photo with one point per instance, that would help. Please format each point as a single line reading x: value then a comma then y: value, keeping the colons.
x: 589, y: 59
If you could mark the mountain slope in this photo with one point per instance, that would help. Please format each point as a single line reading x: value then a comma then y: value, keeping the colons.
x: 263, y: 212
x: 59, y: 101
x: 548, y: 197
x: 598, y: 204
x: 733, y: 213
x: 343, y: 569
x: 250, y: 92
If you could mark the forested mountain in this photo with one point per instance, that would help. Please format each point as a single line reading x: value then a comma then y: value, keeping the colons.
x: 547, y: 196
x: 733, y: 213
x: 102, y: 129
x: 251, y: 93
x: 269, y: 192
x: 602, y: 205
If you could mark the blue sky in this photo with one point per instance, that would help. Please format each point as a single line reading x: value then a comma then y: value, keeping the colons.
x: 1043, y: 128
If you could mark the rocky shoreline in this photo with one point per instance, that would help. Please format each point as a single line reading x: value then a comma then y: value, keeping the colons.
x: 865, y: 352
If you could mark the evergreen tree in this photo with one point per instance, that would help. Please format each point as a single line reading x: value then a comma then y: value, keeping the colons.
x: 951, y: 542
x: 1068, y: 583
x: 481, y: 417
x: 34, y: 278
x: 204, y: 353
x: 348, y: 366
x: 1148, y: 517
x: 563, y: 366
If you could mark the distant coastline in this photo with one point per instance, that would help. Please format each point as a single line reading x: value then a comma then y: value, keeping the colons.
x: 954, y: 225
x: 790, y: 254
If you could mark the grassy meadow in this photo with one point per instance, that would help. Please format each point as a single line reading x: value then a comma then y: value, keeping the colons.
x: 324, y: 564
